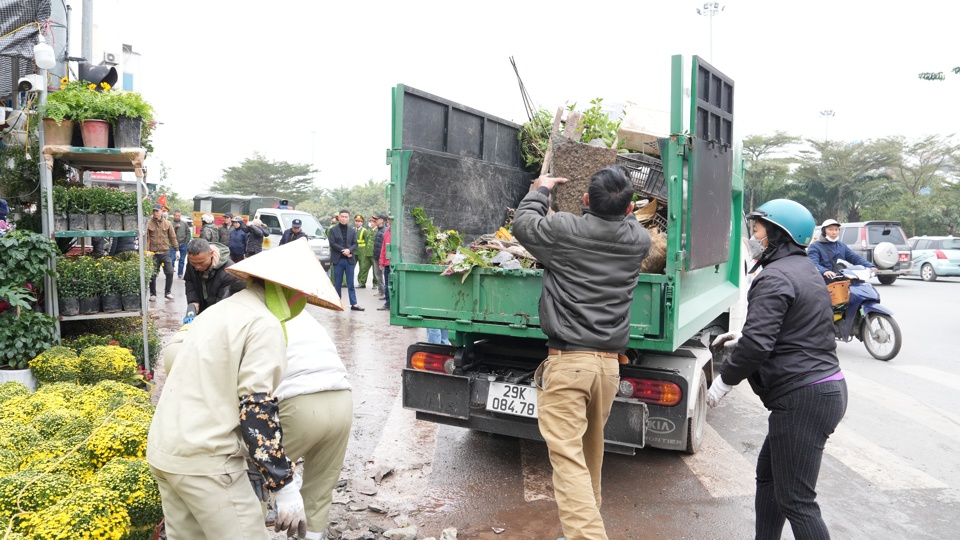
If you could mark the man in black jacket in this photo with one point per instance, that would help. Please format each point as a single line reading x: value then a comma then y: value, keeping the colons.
x: 206, y: 279
x: 377, y: 244
x: 293, y: 233
x: 590, y: 265
x: 343, y: 258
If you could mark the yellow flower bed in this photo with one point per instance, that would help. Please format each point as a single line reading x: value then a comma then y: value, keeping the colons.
x: 56, y: 364
x: 72, y: 461
x: 107, y: 362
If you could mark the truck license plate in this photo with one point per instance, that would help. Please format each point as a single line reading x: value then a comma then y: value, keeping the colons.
x: 513, y: 399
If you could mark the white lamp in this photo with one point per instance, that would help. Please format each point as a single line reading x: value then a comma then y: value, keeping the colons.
x: 43, y: 54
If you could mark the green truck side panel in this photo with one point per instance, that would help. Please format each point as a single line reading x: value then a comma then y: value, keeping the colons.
x: 668, y: 309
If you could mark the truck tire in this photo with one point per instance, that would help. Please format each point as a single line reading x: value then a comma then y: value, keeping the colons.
x: 697, y: 423
x: 887, y: 280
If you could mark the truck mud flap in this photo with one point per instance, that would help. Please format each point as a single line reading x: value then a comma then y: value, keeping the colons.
x: 445, y: 395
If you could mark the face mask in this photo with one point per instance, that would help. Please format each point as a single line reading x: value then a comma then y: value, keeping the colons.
x: 756, y: 247
x: 164, y: 215
x: 831, y: 239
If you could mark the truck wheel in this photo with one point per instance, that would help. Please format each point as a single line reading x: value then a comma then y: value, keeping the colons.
x: 887, y: 280
x: 927, y: 273
x: 698, y: 422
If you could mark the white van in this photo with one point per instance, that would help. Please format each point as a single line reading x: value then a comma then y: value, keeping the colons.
x: 279, y: 220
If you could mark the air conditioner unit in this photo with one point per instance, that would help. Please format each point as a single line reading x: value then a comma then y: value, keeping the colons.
x: 110, y: 59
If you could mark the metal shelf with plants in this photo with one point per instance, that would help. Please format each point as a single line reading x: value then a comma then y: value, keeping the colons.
x: 130, y: 274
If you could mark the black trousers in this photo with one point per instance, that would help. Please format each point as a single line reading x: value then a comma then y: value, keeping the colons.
x: 789, y: 461
x: 164, y: 260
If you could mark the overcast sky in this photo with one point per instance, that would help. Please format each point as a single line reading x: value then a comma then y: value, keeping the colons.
x: 309, y: 81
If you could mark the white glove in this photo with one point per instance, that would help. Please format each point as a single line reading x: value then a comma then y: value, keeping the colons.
x: 290, y: 514
x: 717, y: 390
x: 728, y: 340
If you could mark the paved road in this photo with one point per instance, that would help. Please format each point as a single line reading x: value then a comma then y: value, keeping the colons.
x: 891, y: 471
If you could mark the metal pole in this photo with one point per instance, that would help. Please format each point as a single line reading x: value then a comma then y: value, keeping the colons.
x: 51, y: 306
x: 144, y: 310
x: 826, y: 114
x: 86, y: 36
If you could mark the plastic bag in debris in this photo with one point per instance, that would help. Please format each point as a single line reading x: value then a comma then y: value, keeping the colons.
x: 506, y: 261
x: 457, y: 258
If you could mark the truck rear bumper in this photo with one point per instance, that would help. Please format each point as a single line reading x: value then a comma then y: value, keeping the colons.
x: 461, y: 401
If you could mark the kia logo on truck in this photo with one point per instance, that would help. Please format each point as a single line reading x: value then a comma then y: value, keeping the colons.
x: 660, y: 425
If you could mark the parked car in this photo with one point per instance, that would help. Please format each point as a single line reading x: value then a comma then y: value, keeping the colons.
x: 881, y: 242
x: 935, y: 256
x: 279, y: 220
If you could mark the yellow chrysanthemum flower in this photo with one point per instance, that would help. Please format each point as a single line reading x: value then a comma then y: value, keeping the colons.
x: 105, y: 86
x: 92, y: 86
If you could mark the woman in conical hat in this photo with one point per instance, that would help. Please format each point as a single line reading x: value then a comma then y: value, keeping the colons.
x: 217, y: 406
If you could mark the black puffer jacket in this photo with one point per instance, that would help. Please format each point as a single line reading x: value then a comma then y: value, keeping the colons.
x: 378, y: 243
x: 788, y: 339
x: 591, y: 265
x: 255, y: 238
x: 215, y: 284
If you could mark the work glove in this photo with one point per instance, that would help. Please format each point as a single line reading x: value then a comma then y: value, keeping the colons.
x: 290, y: 514
x: 728, y: 340
x: 717, y: 390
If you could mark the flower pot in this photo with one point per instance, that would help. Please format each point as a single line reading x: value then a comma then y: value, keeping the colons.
x: 24, y: 376
x: 61, y: 135
x: 131, y: 302
x: 69, y: 307
x: 96, y: 133
x: 112, y: 222
x: 126, y: 134
x: 111, y: 303
x: 89, y: 306
x: 60, y: 222
x: 77, y: 222
x: 130, y: 223
x: 95, y: 222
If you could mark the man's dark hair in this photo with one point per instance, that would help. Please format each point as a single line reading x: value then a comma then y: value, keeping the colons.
x: 198, y: 246
x: 343, y: 211
x: 610, y: 191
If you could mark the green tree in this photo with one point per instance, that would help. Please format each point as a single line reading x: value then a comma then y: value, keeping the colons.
x: 767, y: 168
x: 266, y: 178
x: 838, y: 179
x: 366, y: 199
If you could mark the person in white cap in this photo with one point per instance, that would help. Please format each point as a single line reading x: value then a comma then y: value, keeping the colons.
x: 825, y: 253
x: 209, y: 231
x: 218, y: 407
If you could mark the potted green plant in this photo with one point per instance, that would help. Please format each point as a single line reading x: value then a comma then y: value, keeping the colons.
x: 94, y: 113
x: 88, y: 284
x: 24, y: 258
x: 60, y: 111
x: 133, y: 119
x: 68, y: 291
x: 130, y: 219
x: 98, y: 200
x: 61, y: 201
x: 78, y: 204
x: 112, y: 272
x: 24, y: 334
x: 114, y: 205
x: 129, y: 281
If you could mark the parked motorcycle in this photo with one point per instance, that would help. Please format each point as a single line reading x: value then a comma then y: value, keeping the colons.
x: 857, y: 312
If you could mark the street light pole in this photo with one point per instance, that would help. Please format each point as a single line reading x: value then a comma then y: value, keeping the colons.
x: 709, y: 10
x: 826, y: 114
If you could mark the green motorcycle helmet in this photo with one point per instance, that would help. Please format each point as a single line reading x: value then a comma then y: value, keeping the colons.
x: 790, y: 216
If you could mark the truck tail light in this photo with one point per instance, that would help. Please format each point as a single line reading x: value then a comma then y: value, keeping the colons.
x: 424, y: 361
x: 940, y: 254
x: 863, y: 238
x: 651, y: 391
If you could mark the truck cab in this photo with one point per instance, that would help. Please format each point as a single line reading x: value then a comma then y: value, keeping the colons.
x: 279, y: 220
x: 464, y: 169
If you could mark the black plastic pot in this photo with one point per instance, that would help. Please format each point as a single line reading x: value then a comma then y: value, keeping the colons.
x: 126, y: 133
x: 111, y: 303
x: 78, y: 222
x: 69, y: 307
x: 129, y: 222
x: 89, y: 306
x: 131, y: 302
x: 95, y: 222
x: 112, y: 222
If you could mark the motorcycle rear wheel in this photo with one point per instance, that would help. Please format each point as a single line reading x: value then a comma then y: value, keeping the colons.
x: 881, y: 336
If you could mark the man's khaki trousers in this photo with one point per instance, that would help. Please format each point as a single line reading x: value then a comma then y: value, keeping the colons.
x: 316, y: 427
x: 574, y: 403
x: 210, y: 507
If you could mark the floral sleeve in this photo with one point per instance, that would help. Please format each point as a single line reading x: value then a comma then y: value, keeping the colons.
x: 260, y: 426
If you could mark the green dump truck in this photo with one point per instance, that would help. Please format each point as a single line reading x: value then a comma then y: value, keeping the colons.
x: 464, y: 168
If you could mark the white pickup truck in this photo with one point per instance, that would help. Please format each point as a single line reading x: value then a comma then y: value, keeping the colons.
x: 279, y: 220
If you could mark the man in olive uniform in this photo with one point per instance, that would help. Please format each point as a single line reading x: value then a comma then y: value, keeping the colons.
x: 364, y: 251
x: 225, y: 228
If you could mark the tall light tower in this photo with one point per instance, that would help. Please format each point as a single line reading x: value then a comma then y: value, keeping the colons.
x: 826, y: 115
x: 710, y: 9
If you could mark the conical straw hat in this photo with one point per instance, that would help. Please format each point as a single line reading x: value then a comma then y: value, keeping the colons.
x: 295, y: 266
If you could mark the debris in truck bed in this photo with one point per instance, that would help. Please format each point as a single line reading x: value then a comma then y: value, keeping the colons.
x: 576, y: 162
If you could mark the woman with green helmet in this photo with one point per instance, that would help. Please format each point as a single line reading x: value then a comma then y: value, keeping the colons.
x: 788, y: 353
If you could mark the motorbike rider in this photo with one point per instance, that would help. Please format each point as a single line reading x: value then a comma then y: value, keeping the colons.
x: 825, y: 252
